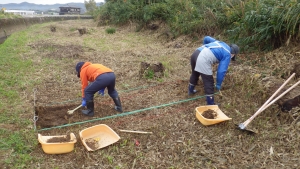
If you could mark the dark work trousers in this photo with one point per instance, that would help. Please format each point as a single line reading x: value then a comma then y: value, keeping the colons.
x: 106, y: 80
x: 208, y: 80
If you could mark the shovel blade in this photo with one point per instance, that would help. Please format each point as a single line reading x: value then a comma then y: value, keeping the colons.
x: 70, y: 112
x: 249, y: 131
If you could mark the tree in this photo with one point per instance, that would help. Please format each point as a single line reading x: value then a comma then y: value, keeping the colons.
x: 90, y: 6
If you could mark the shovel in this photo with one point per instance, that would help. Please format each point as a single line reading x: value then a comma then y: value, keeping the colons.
x: 72, y: 111
x: 243, y: 126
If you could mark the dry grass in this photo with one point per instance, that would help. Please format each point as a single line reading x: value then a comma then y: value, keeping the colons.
x: 179, y: 140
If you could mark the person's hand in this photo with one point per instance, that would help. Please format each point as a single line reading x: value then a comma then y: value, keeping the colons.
x: 83, y: 102
x: 101, y: 92
x: 218, y: 87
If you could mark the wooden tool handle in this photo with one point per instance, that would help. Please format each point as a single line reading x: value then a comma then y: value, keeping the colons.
x: 265, y: 105
x: 277, y: 91
x: 139, y: 132
x: 273, y: 101
x: 77, y: 108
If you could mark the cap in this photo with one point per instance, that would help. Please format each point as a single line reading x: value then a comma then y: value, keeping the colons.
x: 234, y: 49
x: 78, y: 68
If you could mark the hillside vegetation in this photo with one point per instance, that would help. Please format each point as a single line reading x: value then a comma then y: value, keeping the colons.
x: 257, y: 25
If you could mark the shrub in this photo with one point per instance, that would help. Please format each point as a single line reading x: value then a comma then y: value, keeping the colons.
x: 110, y: 30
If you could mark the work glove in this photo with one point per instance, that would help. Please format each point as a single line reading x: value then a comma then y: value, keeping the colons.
x: 101, y: 92
x: 218, y: 87
x: 83, y: 102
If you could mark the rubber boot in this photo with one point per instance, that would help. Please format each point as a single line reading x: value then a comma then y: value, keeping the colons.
x: 191, y: 89
x: 118, y: 105
x: 210, y: 100
x: 90, y: 108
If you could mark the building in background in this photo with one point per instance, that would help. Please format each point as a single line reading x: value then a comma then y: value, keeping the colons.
x: 20, y: 12
x: 67, y: 10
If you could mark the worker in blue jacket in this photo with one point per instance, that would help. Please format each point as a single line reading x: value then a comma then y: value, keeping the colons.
x: 212, y: 51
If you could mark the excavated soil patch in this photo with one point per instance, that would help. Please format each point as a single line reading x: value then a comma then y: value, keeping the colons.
x: 52, y: 50
x: 138, y: 100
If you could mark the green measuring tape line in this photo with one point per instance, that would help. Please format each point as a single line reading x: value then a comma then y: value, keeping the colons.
x: 123, y: 114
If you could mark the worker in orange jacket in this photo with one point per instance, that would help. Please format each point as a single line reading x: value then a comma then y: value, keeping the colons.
x: 100, y: 77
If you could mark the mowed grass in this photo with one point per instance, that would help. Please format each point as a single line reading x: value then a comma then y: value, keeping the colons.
x: 18, y: 78
x: 16, y: 140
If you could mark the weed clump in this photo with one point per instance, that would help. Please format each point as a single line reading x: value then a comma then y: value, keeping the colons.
x: 110, y: 30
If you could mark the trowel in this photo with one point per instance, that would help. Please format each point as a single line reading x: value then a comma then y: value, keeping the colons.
x: 72, y: 111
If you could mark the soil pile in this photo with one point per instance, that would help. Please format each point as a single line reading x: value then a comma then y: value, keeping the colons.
x: 67, y: 138
x: 92, y: 143
x: 209, y: 114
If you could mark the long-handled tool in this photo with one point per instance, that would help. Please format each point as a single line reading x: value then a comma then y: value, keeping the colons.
x: 72, y: 111
x: 139, y: 132
x: 243, y: 126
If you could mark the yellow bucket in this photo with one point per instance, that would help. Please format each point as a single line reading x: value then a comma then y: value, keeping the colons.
x: 57, y: 148
x: 220, y: 117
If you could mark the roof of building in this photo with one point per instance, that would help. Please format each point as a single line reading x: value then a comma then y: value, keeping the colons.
x: 17, y: 11
x: 69, y: 7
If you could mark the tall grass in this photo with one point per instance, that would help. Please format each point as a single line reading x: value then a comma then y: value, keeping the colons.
x: 258, y: 24
x: 266, y: 24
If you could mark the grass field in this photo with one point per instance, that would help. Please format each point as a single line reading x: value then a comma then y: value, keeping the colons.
x: 38, y: 70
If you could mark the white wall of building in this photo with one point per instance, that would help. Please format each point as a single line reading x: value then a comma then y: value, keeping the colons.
x: 20, y: 12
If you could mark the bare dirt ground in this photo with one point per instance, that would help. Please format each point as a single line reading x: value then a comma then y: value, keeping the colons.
x: 159, y: 105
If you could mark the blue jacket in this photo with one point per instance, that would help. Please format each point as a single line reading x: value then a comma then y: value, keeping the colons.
x: 222, y: 52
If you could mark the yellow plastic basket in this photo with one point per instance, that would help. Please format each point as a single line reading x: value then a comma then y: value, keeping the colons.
x: 57, y: 148
x: 101, y: 135
x: 205, y: 121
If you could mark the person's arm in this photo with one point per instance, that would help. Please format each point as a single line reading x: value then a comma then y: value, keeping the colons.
x: 84, y: 82
x: 221, y: 72
x: 208, y: 39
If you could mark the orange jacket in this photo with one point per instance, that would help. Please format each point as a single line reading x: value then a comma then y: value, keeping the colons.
x: 89, y: 72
